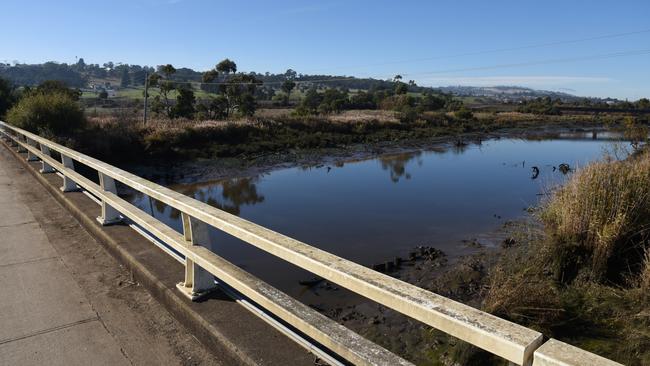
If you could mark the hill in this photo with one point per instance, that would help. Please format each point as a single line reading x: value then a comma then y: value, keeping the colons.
x: 109, y: 74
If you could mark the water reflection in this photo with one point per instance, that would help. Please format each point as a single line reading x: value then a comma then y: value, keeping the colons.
x: 351, y: 209
x: 396, y: 164
x: 229, y: 195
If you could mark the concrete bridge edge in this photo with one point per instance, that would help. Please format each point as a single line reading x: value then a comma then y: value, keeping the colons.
x: 172, y: 300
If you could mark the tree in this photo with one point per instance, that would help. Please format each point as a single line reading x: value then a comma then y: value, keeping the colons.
x: 57, y: 86
x: 126, y: 78
x: 290, y: 74
x: 287, y: 87
x: 184, y: 106
x: 226, y: 67
x: 138, y: 77
x: 363, y: 100
x: 213, y: 108
x: 431, y: 102
x: 643, y: 103
x: 247, y: 104
x: 401, y: 88
x: 240, y: 90
x: 310, y: 103
x: 167, y: 70
x: 161, y: 102
x: 23, y: 74
x: 237, y: 90
x: 333, y: 100
x: 7, y: 96
x: 81, y: 64
x: 209, y: 77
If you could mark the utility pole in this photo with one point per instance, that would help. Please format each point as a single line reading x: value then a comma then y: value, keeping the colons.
x: 146, y: 96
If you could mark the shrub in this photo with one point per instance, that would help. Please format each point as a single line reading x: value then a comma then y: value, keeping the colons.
x: 7, y: 96
x: 398, y: 102
x: 464, y: 113
x: 57, y: 86
x: 47, y: 114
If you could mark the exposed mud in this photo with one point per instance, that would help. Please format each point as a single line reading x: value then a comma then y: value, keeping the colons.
x: 463, y: 278
x: 201, y: 170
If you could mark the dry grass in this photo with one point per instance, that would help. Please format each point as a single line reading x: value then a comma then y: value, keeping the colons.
x: 644, y: 278
x: 585, y: 280
x: 604, y: 211
x: 381, y: 116
x: 159, y: 124
x: 351, y: 116
x: 273, y: 112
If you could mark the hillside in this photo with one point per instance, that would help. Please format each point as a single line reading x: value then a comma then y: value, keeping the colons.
x: 109, y: 74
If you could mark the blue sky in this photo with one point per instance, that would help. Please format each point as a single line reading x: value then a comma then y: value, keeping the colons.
x: 434, y: 43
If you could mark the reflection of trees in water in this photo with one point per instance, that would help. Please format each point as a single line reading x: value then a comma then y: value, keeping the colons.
x: 396, y: 164
x: 228, y: 195
x: 459, y: 148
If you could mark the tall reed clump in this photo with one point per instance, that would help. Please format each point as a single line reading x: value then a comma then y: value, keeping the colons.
x: 585, y: 279
x: 599, y: 221
x: 644, y: 278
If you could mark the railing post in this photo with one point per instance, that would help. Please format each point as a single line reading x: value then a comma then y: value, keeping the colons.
x: 68, y: 184
x: 109, y: 214
x: 198, y: 281
x: 46, y: 168
x: 5, y: 134
x: 30, y: 155
x: 20, y: 148
x: 12, y: 138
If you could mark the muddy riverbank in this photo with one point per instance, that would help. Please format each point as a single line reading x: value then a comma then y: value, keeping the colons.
x: 462, y: 278
x: 450, y: 208
x: 168, y: 172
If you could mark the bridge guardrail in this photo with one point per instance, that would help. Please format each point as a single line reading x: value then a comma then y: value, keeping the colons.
x: 503, y: 338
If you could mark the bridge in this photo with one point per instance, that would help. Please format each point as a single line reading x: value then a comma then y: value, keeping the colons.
x: 224, y: 307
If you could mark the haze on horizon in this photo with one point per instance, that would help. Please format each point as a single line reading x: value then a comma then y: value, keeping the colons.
x: 596, y: 48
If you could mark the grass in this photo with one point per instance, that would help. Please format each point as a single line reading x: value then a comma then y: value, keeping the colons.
x: 584, y: 277
x: 137, y: 93
x: 604, y: 214
x: 273, y: 132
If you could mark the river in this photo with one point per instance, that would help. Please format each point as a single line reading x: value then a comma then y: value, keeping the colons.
x: 373, y: 210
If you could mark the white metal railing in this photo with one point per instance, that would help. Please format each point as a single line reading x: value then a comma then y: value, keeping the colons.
x: 498, y: 336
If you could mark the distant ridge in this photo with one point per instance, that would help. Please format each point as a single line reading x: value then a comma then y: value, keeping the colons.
x: 82, y: 75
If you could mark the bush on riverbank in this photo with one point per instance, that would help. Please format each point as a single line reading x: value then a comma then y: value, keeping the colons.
x: 586, y: 281
x: 48, y: 114
x: 252, y: 137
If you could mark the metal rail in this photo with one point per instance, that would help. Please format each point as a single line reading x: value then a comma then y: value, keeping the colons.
x: 498, y: 336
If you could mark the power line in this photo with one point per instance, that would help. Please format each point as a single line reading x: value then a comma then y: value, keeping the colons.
x: 544, y: 62
x: 497, y: 50
x: 490, y: 67
x: 474, y: 53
